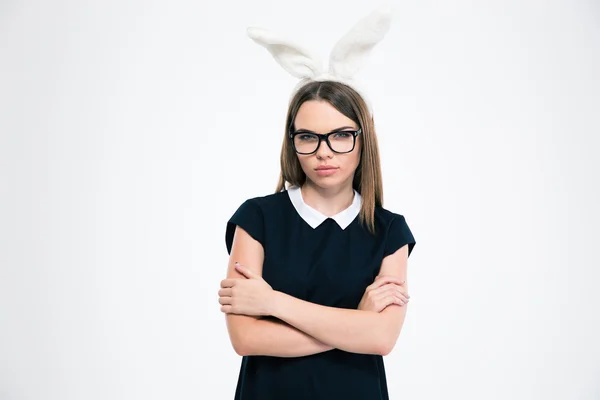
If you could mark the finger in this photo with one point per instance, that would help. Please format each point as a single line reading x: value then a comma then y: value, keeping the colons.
x: 394, y: 302
x: 391, y: 278
x: 388, y: 297
x: 395, y: 290
x: 403, y: 293
x: 226, y: 292
x: 401, y: 290
x: 227, y: 309
x: 397, y: 301
x: 229, y: 282
x: 383, y: 297
x: 383, y: 279
x: 391, y: 299
x: 247, y: 272
x: 400, y: 302
x: 225, y: 300
x: 388, y: 287
x: 403, y: 297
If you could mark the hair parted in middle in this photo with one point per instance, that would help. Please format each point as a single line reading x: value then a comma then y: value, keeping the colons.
x: 367, y: 177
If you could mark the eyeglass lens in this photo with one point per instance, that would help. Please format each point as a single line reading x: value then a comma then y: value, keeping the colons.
x: 341, y: 142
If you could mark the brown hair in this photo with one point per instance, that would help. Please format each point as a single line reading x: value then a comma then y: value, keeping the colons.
x: 367, y: 177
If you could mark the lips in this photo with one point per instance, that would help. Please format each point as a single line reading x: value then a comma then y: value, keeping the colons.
x: 325, y: 168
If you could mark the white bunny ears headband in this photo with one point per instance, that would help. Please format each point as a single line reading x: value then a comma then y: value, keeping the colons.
x: 346, y: 58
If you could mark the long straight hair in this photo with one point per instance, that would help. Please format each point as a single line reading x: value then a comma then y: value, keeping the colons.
x: 367, y: 177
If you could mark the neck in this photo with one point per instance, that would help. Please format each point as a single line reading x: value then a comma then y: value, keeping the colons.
x: 328, y: 201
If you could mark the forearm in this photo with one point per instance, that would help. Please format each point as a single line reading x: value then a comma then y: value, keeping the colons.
x: 355, y: 331
x: 272, y: 337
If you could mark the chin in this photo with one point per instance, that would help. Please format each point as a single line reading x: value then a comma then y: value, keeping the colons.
x: 327, y: 181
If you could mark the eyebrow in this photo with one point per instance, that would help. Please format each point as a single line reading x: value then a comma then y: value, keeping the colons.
x: 335, y: 130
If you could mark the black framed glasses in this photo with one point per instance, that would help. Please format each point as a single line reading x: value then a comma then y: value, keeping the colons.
x: 342, y: 141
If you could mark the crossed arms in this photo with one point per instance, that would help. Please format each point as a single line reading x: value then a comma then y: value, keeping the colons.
x: 303, y: 328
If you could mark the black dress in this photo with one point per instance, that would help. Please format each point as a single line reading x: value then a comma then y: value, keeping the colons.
x: 324, y: 260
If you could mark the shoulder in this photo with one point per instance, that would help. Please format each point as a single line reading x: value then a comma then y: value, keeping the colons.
x: 396, y: 230
x: 253, y: 216
x: 266, y: 207
x: 386, y: 217
x: 267, y: 202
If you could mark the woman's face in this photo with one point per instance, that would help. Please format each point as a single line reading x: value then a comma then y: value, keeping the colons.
x: 321, y: 117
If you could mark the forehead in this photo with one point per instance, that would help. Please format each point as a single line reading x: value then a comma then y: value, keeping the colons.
x: 320, y: 116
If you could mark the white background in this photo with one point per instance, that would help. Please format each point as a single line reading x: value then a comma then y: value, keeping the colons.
x: 132, y: 130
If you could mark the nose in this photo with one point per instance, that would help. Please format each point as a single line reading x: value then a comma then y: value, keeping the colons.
x: 323, y: 150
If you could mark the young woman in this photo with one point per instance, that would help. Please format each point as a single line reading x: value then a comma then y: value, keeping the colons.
x: 316, y: 288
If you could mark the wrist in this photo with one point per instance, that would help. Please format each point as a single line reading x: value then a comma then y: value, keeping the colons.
x: 273, y: 304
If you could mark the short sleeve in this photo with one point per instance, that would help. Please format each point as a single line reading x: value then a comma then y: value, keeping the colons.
x: 399, y: 234
x: 250, y: 218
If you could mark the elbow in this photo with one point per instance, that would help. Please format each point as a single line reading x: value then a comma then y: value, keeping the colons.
x: 386, y: 343
x: 239, y: 348
x: 389, y: 332
x: 240, y: 328
x: 241, y: 345
x: 385, y: 347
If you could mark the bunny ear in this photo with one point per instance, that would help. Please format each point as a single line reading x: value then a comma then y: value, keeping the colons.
x: 291, y: 56
x: 349, y: 53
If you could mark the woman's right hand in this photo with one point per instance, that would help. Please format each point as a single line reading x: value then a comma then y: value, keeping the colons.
x: 384, y: 291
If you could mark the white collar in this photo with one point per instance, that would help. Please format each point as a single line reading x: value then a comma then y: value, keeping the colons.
x: 314, y: 218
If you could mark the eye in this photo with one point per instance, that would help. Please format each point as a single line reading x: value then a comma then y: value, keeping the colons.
x: 305, y: 137
x: 343, y: 135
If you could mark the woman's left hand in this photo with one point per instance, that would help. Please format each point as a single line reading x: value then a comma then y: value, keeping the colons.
x: 249, y: 296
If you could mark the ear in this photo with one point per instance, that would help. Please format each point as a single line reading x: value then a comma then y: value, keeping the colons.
x: 350, y: 52
x: 290, y: 55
